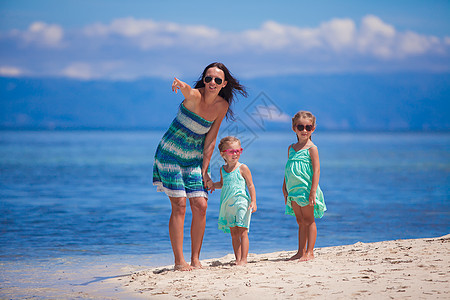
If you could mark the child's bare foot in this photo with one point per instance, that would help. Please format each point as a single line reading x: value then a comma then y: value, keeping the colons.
x: 307, y: 256
x: 241, y: 263
x: 183, y: 267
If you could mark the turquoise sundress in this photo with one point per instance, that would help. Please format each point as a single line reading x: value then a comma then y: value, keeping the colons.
x: 234, y: 201
x: 298, y: 176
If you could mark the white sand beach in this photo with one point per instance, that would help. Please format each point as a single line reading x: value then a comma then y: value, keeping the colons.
x: 400, y: 269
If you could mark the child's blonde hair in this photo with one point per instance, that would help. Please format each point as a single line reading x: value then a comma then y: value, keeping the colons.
x: 304, y: 115
x: 227, y: 140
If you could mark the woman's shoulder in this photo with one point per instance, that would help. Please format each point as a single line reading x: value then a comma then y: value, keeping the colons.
x: 221, y: 103
x: 192, y: 102
x: 219, y: 108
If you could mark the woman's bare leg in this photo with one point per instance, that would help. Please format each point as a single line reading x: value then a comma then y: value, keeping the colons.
x: 176, y: 229
x: 198, y: 207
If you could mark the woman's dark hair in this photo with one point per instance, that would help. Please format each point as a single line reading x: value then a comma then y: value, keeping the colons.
x: 229, y: 91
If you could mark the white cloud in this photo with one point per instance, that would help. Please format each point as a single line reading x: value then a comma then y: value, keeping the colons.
x: 338, y: 33
x: 416, y: 44
x: 10, y: 71
x: 273, y: 36
x: 376, y: 37
x: 148, y: 34
x: 43, y: 34
x: 95, y: 70
x: 271, y: 113
x: 79, y: 70
x: 130, y: 48
x: 130, y: 27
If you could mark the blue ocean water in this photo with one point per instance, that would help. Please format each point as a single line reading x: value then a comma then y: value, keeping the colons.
x: 89, y: 193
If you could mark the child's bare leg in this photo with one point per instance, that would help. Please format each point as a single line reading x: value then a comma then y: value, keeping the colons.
x: 244, y: 245
x: 301, y: 234
x: 303, y: 240
x: 236, y: 241
x: 311, y: 232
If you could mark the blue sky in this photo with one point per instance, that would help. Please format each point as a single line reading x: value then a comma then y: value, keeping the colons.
x: 92, y: 39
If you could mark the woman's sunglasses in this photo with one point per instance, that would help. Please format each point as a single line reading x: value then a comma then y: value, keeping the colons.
x: 217, y: 80
x: 233, y: 151
x: 302, y: 127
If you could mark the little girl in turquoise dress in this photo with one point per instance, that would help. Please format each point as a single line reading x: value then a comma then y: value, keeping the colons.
x: 236, y: 203
x: 302, y: 194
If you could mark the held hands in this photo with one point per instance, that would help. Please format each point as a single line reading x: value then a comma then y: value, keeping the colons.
x: 208, y: 183
x: 212, y: 188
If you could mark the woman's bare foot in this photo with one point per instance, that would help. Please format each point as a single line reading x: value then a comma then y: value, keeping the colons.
x: 298, y: 255
x: 196, y: 265
x: 183, y: 267
x: 307, y: 256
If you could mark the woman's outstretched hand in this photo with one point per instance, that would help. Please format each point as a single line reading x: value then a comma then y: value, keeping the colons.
x: 177, y: 85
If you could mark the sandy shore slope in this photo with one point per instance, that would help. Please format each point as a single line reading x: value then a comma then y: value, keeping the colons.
x: 401, y: 269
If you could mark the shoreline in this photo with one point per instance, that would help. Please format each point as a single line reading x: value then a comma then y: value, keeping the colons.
x: 410, y: 268
x: 400, y: 269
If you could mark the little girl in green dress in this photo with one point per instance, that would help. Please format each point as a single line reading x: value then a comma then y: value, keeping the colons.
x: 302, y: 194
x: 236, y: 203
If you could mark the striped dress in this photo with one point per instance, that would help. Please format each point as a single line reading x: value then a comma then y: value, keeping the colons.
x: 177, y: 170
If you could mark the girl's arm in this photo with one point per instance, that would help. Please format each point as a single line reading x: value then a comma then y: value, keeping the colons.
x: 314, y: 153
x: 210, y: 142
x: 245, y: 172
x: 219, y: 184
x: 285, y: 192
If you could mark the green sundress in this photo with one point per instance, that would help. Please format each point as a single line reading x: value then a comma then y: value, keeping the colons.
x: 234, y: 201
x: 298, y: 176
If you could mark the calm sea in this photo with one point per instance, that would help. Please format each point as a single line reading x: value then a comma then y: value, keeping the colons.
x: 89, y: 193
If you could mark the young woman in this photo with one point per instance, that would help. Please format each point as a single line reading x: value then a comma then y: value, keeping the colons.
x: 183, y: 155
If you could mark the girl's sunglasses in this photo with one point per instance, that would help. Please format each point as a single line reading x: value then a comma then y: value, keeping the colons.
x: 233, y: 151
x: 217, y: 80
x: 302, y: 127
